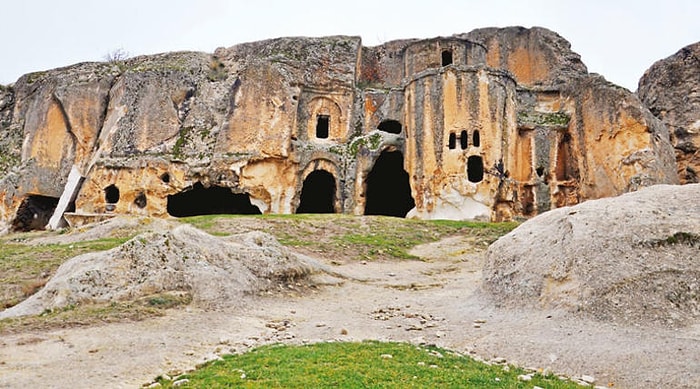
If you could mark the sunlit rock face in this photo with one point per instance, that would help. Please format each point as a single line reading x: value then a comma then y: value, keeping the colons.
x: 494, y: 124
x: 670, y: 88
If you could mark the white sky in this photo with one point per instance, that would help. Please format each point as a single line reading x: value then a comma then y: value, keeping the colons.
x: 618, y: 39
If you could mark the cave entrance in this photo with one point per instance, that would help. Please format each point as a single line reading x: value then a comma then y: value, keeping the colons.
x: 390, y: 126
x: 318, y: 193
x: 475, y: 168
x: 388, y: 188
x: 34, y: 213
x: 210, y: 201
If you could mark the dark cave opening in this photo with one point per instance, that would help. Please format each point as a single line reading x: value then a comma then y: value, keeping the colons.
x: 446, y: 57
x: 452, y: 141
x: 388, y: 187
x: 210, y: 201
x: 463, y: 139
x: 390, y: 126
x: 318, y: 193
x: 34, y: 213
x: 476, y: 139
x: 322, y: 126
x: 475, y: 168
x: 111, y: 194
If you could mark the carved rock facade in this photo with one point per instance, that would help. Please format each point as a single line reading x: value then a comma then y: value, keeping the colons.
x: 493, y: 124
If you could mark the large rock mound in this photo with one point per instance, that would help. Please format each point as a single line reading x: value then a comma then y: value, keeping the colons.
x: 671, y: 90
x: 215, y: 271
x: 628, y: 259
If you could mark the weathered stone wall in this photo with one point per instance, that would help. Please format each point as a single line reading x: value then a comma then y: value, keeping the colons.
x: 493, y: 124
x: 670, y: 88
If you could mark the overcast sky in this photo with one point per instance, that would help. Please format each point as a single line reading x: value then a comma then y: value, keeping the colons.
x: 618, y: 39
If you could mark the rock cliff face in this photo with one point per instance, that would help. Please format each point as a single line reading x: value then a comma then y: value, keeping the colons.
x: 492, y: 124
x: 671, y: 90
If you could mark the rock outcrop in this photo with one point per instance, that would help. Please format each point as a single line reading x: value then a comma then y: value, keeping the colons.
x: 671, y: 90
x: 628, y: 259
x: 216, y: 272
x: 492, y: 124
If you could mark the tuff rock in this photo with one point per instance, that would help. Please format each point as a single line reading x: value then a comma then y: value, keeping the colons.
x: 630, y: 259
x: 671, y: 90
x: 494, y: 124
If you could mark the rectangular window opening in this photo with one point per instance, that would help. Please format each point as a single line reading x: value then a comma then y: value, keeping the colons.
x: 446, y: 57
x: 322, y: 126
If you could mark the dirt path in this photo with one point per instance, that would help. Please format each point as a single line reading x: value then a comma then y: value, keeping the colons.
x: 433, y: 301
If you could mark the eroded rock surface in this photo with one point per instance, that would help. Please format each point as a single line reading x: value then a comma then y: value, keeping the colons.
x: 216, y: 272
x: 671, y: 90
x: 629, y: 259
x: 493, y: 124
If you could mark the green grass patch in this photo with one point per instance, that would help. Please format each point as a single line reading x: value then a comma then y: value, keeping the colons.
x: 357, y: 365
x: 347, y: 237
x: 24, y: 268
x: 85, y: 315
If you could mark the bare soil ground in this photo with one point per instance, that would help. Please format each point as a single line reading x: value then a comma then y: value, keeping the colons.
x: 434, y: 299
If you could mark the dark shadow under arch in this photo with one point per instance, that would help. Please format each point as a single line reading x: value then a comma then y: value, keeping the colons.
x: 388, y: 187
x: 34, y: 213
x: 390, y: 126
x: 318, y: 193
x: 210, y: 201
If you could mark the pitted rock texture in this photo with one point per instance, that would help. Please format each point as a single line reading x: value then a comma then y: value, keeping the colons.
x: 494, y: 124
x: 217, y: 272
x: 671, y: 90
x: 628, y: 259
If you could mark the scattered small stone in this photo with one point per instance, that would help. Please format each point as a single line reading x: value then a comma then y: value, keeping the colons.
x: 506, y: 368
x: 439, y: 334
x: 498, y: 361
x: 386, y: 356
x: 364, y: 262
x: 343, y: 331
x: 421, y: 363
x: 476, y: 325
x: 320, y: 324
x: 433, y: 366
x: 480, y: 321
x: 537, y: 387
x: 154, y: 385
x: 166, y: 377
x: 497, y: 379
x: 292, y: 311
x: 588, y: 379
x: 525, y: 377
x: 392, y: 274
x: 181, y: 382
x: 189, y: 352
x: 243, y: 376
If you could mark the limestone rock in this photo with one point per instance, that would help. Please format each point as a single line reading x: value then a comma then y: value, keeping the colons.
x: 629, y: 259
x: 215, y: 271
x: 671, y: 90
x: 494, y: 124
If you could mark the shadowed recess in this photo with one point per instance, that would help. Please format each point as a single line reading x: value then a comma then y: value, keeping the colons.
x: 34, y: 213
x: 388, y: 189
x: 318, y: 193
x: 210, y: 201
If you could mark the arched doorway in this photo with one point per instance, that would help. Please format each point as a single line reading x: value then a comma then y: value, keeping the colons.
x: 210, y: 201
x: 388, y: 189
x: 318, y: 193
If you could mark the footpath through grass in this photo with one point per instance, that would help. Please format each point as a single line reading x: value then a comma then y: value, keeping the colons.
x: 357, y: 365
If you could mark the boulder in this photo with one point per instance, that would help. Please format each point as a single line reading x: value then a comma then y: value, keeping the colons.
x: 627, y: 259
x: 217, y: 272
